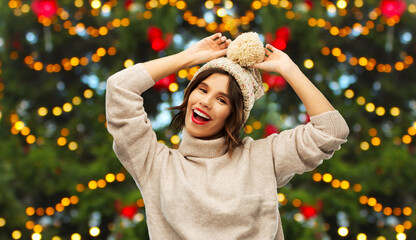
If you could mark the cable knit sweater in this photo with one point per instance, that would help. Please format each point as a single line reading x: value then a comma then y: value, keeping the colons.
x: 197, y: 192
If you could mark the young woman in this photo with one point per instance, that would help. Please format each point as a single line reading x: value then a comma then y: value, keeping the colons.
x: 217, y: 186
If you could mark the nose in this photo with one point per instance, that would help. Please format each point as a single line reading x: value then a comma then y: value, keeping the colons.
x: 206, y: 101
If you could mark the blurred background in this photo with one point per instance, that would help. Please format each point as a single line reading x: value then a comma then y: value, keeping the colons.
x: 59, y: 177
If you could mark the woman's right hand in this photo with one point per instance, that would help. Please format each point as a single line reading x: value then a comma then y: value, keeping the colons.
x: 209, y: 48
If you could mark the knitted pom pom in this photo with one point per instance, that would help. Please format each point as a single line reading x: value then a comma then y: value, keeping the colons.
x: 246, y: 49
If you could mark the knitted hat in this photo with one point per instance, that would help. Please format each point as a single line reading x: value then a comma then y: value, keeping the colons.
x: 245, y: 51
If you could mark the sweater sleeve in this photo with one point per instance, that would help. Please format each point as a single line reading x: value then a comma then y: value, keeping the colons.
x: 303, y: 148
x: 135, y: 142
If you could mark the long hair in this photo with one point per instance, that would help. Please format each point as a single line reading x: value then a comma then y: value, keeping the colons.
x: 233, y: 123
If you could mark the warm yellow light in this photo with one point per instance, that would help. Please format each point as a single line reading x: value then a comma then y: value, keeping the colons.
x: 327, y: 177
x: 380, y: 111
x: 76, y: 100
x: 343, y: 231
x: 372, y: 202
x: 30, y: 139
x: 362, y: 61
x: 370, y: 107
x: 120, y: 177
x: 19, y: 125
x: 308, y: 63
x: 56, y: 238
x: 110, y: 177
x: 36, y: 236
x: 335, y: 183
x: 175, y: 139
x: 128, y: 63
x: 59, y: 207
x: 406, y: 139
x: 256, y: 5
x: 61, y: 141
x: 395, y: 111
x: 357, y: 187
x: 361, y: 236
x: 57, y: 111
x: 101, y: 183
x: 345, y: 185
x: 88, y: 93
x: 94, y: 231
x: 65, y: 201
x: 387, y: 211
x: 30, y: 211
x: 375, y: 141
x: 92, y: 184
x: 281, y: 197
x: 209, y: 4
x: 183, y: 73
x: 363, y: 200
x: 73, y: 146
x: 407, y: 211
x: 67, y: 107
x: 221, y: 12
x: 173, y: 87
x: 101, y: 51
x: 228, y: 4
x: 37, y: 228
x: 180, y: 5
x: 248, y: 129
x: 74, y: 61
x: 16, y: 234
x: 317, y: 177
x: 76, y: 236
x: 2, y: 222
x: 42, y: 111
x: 336, y: 52
x: 349, y: 93
x: 401, y: 236
x: 399, y: 228
x: 96, y: 4
x: 341, y: 4
x: 364, y: 146
x: 411, y: 131
x: 74, y: 200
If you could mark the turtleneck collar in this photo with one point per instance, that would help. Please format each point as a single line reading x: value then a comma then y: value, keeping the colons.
x: 191, y: 146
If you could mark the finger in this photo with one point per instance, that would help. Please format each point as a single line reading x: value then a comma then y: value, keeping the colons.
x: 220, y: 40
x: 225, y: 44
x: 270, y: 48
x: 215, y: 36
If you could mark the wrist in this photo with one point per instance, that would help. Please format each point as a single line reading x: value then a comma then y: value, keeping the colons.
x: 186, y: 59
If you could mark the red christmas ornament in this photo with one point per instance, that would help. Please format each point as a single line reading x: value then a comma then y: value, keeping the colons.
x: 274, y: 81
x: 309, y: 3
x: 279, y: 43
x: 392, y: 8
x: 45, y: 8
x: 154, y: 33
x: 129, y: 211
x: 159, y: 44
x: 283, y: 33
x: 308, y: 211
x: 270, y: 129
x: 165, y: 82
x: 128, y: 4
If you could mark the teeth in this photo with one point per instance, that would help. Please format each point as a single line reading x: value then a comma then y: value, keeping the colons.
x: 201, y: 114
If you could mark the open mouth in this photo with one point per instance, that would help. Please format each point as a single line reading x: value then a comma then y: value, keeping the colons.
x: 200, y: 117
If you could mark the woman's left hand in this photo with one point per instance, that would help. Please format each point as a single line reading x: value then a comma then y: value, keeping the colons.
x: 275, y: 61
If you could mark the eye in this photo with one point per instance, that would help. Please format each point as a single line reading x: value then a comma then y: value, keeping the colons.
x: 222, y: 100
x: 203, y: 90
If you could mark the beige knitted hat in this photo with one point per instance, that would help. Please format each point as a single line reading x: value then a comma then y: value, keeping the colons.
x: 245, y: 51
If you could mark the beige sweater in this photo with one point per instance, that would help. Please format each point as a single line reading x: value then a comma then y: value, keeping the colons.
x: 197, y: 192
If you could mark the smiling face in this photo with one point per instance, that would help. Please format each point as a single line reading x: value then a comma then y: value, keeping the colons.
x: 208, y: 107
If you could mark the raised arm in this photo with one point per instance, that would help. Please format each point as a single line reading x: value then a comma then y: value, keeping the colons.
x: 277, y: 61
x: 203, y: 51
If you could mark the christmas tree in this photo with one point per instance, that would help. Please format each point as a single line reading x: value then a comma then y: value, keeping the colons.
x: 59, y: 177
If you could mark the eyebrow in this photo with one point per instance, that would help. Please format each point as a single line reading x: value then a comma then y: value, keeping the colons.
x: 222, y: 93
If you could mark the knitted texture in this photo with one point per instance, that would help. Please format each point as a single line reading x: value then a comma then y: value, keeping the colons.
x: 242, y: 53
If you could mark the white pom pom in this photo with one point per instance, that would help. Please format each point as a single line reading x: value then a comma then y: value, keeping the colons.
x: 246, y: 49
